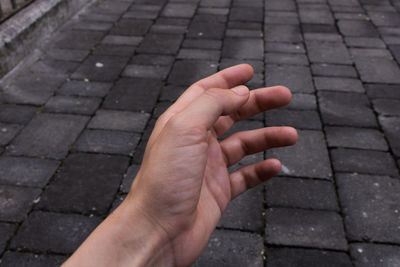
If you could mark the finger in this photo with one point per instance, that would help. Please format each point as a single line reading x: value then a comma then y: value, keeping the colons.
x: 260, y: 100
x: 253, y: 175
x: 241, y: 144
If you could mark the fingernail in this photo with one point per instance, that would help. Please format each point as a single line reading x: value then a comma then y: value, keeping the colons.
x: 240, y: 90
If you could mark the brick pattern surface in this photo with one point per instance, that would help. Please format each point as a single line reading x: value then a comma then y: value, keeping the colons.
x: 74, y: 125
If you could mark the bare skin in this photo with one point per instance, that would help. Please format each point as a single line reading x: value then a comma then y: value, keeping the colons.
x: 183, y: 185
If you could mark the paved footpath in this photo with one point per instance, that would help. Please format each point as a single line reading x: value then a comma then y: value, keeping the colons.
x: 74, y: 125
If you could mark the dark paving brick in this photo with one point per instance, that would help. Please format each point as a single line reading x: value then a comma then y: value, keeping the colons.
x: 301, y: 193
x: 54, y: 66
x: 23, y: 259
x: 339, y: 84
x: 91, y: 26
x: 283, y: 58
x: 350, y: 16
x: 317, y: 16
x: 244, y: 125
x: 300, y: 257
x: 387, y: 107
x: 173, y: 21
x: 202, y: 44
x: 323, y: 37
x: 395, y: 49
x: 391, y: 127
x: 121, y: 40
x: 298, y: 119
x: 99, y: 17
x: 149, y: 59
x: 160, y: 108
x: 8, y: 132
x: 206, y: 30
x: 364, y: 42
x: 67, y: 54
x: 100, y: 68
x: 245, y: 212
x: 280, y: 5
x: 181, y: 10
x: 105, y: 141
x: 232, y: 248
x: 133, y: 95
x: 160, y: 43
x: 391, y: 40
x: 54, y: 232
x: 87, y: 39
x: 168, y: 29
x: 108, y: 7
x: 243, y: 48
x: 358, y: 28
x: 385, y: 18
x: 17, y: 114
x: 15, y: 202
x: 296, y: 78
x: 244, y: 33
x: 119, y: 120
x: 284, y: 47
x: 383, y: 91
x: 72, y: 105
x: 323, y: 28
x: 371, y: 207
x: 53, y: 136
x: 186, y: 53
x: 6, y: 231
x: 129, y: 177
x: 136, y: 27
x: 146, y: 71
x: 378, y: 70
x: 308, y: 158
x: 186, y: 72
x: 369, y: 255
x: 79, y: 88
x: 333, y: 70
x: 283, y: 33
x: 213, y: 11
x: 303, y: 102
x: 113, y: 50
x: 363, y: 161
x: 344, y: 8
x: 370, y: 52
x: 306, y: 228
x: 87, y: 183
x: 171, y: 92
x: 347, y: 109
x: 328, y: 52
x: 246, y: 14
x: 26, y: 171
x: 275, y: 19
x: 361, y: 138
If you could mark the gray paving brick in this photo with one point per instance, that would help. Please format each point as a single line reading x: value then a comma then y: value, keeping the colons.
x: 368, y: 255
x: 72, y: 105
x: 91, y: 26
x: 146, y: 71
x: 395, y: 49
x: 296, y: 78
x: 378, y: 70
x: 116, y: 7
x: 283, y: 33
x: 306, y: 228
x: 387, y: 107
x: 358, y: 28
x: 80, y: 88
x: 371, y: 207
x: 149, y: 59
x: 119, y: 120
x: 364, y: 42
x: 305, y: 119
x: 346, y: 109
x: 113, y: 50
x: 206, y: 30
x: 343, y: 8
x: 24, y: 259
x: 391, y: 127
x: 160, y: 108
x: 122, y: 40
x: 180, y: 10
x: 385, y: 18
x: 317, y: 16
x: 129, y: 177
x: 243, y: 48
x: 300, y: 257
x: 67, y: 54
x: 244, y: 3
x: 244, y: 33
x: 6, y: 231
x: 323, y: 37
x: 54, y: 232
x: 53, y: 134
x: 130, y: 27
x: 361, y: 138
x: 301, y: 193
x: 383, y: 91
x: 274, y: 19
x: 308, y: 158
x: 160, y: 43
x: 339, y: 84
x: 246, y: 14
x: 391, y: 40
x: 87, y: 39
x: 280, y: 5
x: 215, y: 3
x: 99, y: 17
x: 232, y: 248
x: 173, y: 21
x: 350, y: 16
x: 284, y: 47
x: 245, y: 212
x: 333, y: 70
x: 213, y: 11
x: 54, y: 66
x: 171, y: 92
x: 328, y: 52
x: 168, y: 29
x: 303, y: 102
x: 17, y: 114
x: 133, y: 95
x: 363, y: 161
x: 186, y: 53
x: 186, y: 72
x: 141, y: 14
x: 370, y: 52
x: 202, y: 44
x: 286, y: 58
x: 8, y: 132
x: 15, y: 202
x: 106, y: 141
x: 72, y: 188
x: 26, y: 171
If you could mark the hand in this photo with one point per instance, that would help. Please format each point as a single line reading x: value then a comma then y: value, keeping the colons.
x: 184, y: 186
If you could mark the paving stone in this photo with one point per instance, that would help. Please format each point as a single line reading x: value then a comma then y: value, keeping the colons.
x: 283, y: 58
x: 328, y: 52
x: 8, y: 132
x: 371, y: 206
x: 119, y: 120
x: 186, y: 72
x: 6, y: 231
x: 54, y: 232
x: 100, y: 68
x: 80, y: 88
x: 389, y: 31
x: 143, y: 71
x: 296, y: 78
x: 333, y: 70
x: 171, y: 92
x: 306, y: 228
x: 213, y: 10
x: 244, y: 3
x: 26, y: 171
x: 306, y: 119
x: 87, y: 39
x: 301, y: 193
x: 243, y: 48
x: 54, y: 133
x: 138, y: 156
x: 384, y: 18
x: 106, y: 141
x: 15, y: 202
x: 141, y: 14
x: 206, y: 30
x: 339, y: 84
x: 387, y: 107
x: 67, y: 54
x: 323, y: 37
x: 160, y: 43
x: 114, y: 50
x: 72, y: 188
x: 283, y: 33
x: 370, y: 52
x: 300, y: 257
x: 308, y: 158
x: 133, y: 95
x: 202, y: 44
x: 168, y: 29
x: 122, y: 40
x: 391, y: 127
x: 303, y: 102
x: 54, y: 66
x: 160, y: 108
x: 173, y: 21
x: 179, y: 10
x: 215, y: 3
x: 391, y: 40
x: 350, y: 9
x: 99, y: 17
x: 245, y: 212
x: 383, y: 91
x: 244, y: 33
x: 128, y: 178
x: 350, y: 16
x: 24, y: 259
x: 395, y: 49
x: 280, y: 5
x: 17, y: 114
x: 244, y: 125
x: 115, y: 7
x: 246, y: 14
x: 232, y: 248
x: 363, y: 161
x: 361, y: 138
x: 271, y: 19
x: 136, y: 27
x: 346, y: 109
x: 284, y: 47
x: 72, y: 105
x: 258, y: 65
x: 378, y: 70
x: 369, y: 255
x: 317, y: 16
x: 358, y: 28
x: 91, y: 25
x: 198, y: 54
x: 364, y: 42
